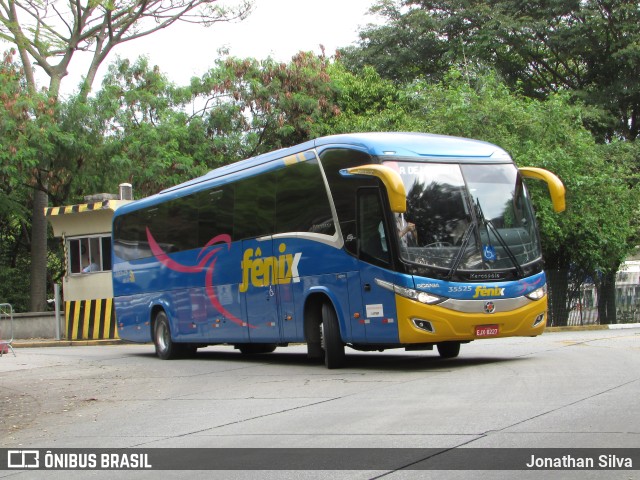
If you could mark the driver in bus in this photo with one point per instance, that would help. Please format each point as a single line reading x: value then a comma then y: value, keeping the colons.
x: 406, y: 232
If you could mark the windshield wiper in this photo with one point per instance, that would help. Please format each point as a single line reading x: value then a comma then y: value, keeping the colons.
x: 463, y: 247
x: 490, y: 226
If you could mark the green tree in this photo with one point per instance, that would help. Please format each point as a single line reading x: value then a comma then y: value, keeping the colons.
x: 258, y: 106
x: 368, y: 102
x: 150, y: 141
x: 48, y: 34
x: 407, y: 46
x: 15, y: 123
x: 591, y: 48
x: 595, y: 233
x: 158, y: 134
x: 16, y: 159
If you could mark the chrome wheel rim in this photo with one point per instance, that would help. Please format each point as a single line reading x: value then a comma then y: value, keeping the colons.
x: 162, y: 334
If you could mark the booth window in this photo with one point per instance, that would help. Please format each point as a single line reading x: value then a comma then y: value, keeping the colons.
x: 89, y: 254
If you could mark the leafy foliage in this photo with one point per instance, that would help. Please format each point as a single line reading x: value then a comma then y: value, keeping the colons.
x: 547, y: 134
x: 159, y: 134
x: 367, y: 102
x: 407, y: 46
x: 590, y: 48
x: 258, y: 106
x: 596, y: 232
x: 49, y: 34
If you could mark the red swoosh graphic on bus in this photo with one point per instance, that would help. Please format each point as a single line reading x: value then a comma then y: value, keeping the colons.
x: 171, y: 264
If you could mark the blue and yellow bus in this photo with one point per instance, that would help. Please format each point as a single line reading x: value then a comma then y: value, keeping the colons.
x: 371, y: 241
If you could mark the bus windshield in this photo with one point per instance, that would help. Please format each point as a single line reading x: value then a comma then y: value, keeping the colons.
x: 466, y: 217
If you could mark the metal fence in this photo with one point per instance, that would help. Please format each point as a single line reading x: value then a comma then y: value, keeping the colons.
x: 582, y: 302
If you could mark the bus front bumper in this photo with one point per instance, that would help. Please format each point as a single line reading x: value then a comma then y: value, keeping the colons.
x: 420, y: 323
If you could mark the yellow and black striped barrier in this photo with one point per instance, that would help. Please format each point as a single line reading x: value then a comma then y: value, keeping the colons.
x: 80, y: 208
x: 90, y: 319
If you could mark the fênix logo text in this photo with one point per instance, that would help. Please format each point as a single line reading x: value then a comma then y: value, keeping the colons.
x: 263, y: 271
x: 489, y: 292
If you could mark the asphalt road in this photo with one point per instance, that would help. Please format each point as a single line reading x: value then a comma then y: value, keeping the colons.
x: 579, y: 389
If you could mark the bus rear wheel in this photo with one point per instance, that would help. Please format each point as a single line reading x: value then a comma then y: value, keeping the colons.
x: 331, y: 341
x: 166, y: 349
x: 449, y: 349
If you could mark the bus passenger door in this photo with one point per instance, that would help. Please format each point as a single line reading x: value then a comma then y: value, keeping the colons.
x: 379, y: 306
x: 260, y: 290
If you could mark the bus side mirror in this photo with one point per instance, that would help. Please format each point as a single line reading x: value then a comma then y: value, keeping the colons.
x: 556, y: 188
x: 391, y: 180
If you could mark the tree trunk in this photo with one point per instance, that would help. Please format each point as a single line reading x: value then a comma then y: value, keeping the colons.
x: 38, y: 298
x: 607, y: 299
x: 558, y: 282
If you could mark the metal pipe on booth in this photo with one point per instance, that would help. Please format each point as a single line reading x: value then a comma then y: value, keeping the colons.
x: 56, y: 296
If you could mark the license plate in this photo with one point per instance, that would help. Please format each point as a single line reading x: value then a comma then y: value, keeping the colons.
x: 487, y: 330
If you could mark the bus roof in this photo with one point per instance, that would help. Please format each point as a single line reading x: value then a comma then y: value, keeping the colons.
x: 419, y: 145
x: 377, y: 144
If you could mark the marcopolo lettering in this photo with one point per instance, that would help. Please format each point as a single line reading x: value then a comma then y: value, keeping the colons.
x: 488, y: 292
x: 261, y: 272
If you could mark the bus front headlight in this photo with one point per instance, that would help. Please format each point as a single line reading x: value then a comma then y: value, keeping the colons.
x: 538, y: 293
x: 410, y: 293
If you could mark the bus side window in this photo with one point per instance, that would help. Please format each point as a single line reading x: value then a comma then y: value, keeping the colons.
x: 343, y: 190
x: 255, y: 206
x: 373, y: 236
x: 302, y: 204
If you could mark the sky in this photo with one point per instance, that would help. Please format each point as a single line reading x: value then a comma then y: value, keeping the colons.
x: 276, y: 28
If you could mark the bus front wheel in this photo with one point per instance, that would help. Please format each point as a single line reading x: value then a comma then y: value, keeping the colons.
x: 449, y: 349
x: 331, y: 340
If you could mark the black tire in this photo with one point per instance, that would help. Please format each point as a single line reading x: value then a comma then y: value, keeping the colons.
x: 449, y: 349
x: 313, y: 335
x: 254, y: 348
x: 165, y: 348
x: 334, y: 356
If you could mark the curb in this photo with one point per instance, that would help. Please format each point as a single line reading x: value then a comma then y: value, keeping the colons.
x: 576, y: 328
x: 616, y: 326
x: 47, y: 342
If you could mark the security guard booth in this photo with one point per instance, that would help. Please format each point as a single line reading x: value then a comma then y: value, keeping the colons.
x: 87, y: 288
